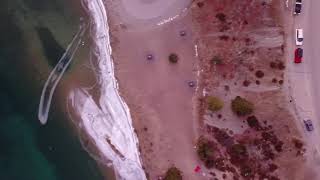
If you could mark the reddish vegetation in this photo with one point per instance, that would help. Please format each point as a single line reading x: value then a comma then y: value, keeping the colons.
x: 238, y: 150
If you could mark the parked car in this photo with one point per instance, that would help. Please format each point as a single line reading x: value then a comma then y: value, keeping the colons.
x: 297, y: 7
x: 299, y: 37
x: 308, y: 124
x: 298, y: 53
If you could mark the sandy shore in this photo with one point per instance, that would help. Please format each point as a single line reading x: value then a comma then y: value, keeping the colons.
x: 156, y: 91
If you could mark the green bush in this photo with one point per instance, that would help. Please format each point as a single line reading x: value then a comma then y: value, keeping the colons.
x: 214, y: 103
x: 173, y: 173
x: 173, y: 58
x: 241, y: 106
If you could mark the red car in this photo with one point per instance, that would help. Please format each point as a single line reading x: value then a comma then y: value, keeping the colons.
x: 298, y: 53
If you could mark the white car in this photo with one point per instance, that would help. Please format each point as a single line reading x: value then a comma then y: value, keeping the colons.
x: 299, y: 37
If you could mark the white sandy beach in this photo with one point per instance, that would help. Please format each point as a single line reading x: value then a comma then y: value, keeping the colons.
x: 107, y: 121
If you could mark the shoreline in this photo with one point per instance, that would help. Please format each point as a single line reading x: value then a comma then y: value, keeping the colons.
x: 107, y: 119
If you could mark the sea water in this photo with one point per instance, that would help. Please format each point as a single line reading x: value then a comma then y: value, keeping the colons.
x: 34, y: 34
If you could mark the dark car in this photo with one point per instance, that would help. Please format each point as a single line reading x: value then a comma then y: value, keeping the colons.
x: 297, y: 7
x: 308, y: 124
x: 298, y: 54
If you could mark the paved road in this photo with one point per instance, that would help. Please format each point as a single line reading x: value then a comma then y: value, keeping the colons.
x: 312, y: 46
x: 309, y: 21
x: 305, y: 77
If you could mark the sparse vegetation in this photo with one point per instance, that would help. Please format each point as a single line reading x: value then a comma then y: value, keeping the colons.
x: 214, y: 103
x: 173, y: 58
x: 173, y: 173
x: 241, y: 106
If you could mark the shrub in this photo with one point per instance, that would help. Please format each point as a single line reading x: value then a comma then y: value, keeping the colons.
x: 280, y: 82
x: 214, y: 103
x: 205, y: 149
x: 224, y: 37
x: 273, y: 65
x: 241, y: 106
x: 238, y: 153
x: 221, y: 17
x: 246, y: 83
x: 239, y: 149
x: 173, y: 58
x: 216, y: 60
x: 173, y: 173
x: 259, y: 74
x: 254, y: 123
x: 281, y: 66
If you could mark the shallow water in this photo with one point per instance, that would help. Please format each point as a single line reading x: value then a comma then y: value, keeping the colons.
x: 33, y: 34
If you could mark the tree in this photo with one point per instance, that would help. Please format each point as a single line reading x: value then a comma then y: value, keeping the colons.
x: 214, y: 103
x: 241, y: 106
x: 173, y: 58
x: 173, y: 173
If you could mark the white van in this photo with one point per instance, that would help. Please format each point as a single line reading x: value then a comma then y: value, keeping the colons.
x: 299, y: 37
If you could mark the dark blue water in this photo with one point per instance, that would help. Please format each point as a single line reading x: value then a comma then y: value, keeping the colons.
x: 31, y: 42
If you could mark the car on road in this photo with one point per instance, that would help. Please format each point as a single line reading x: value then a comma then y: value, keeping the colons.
x: 308, y: 124
x: 298, y: 54
x: 299, y: 37
x: 297, y: 7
